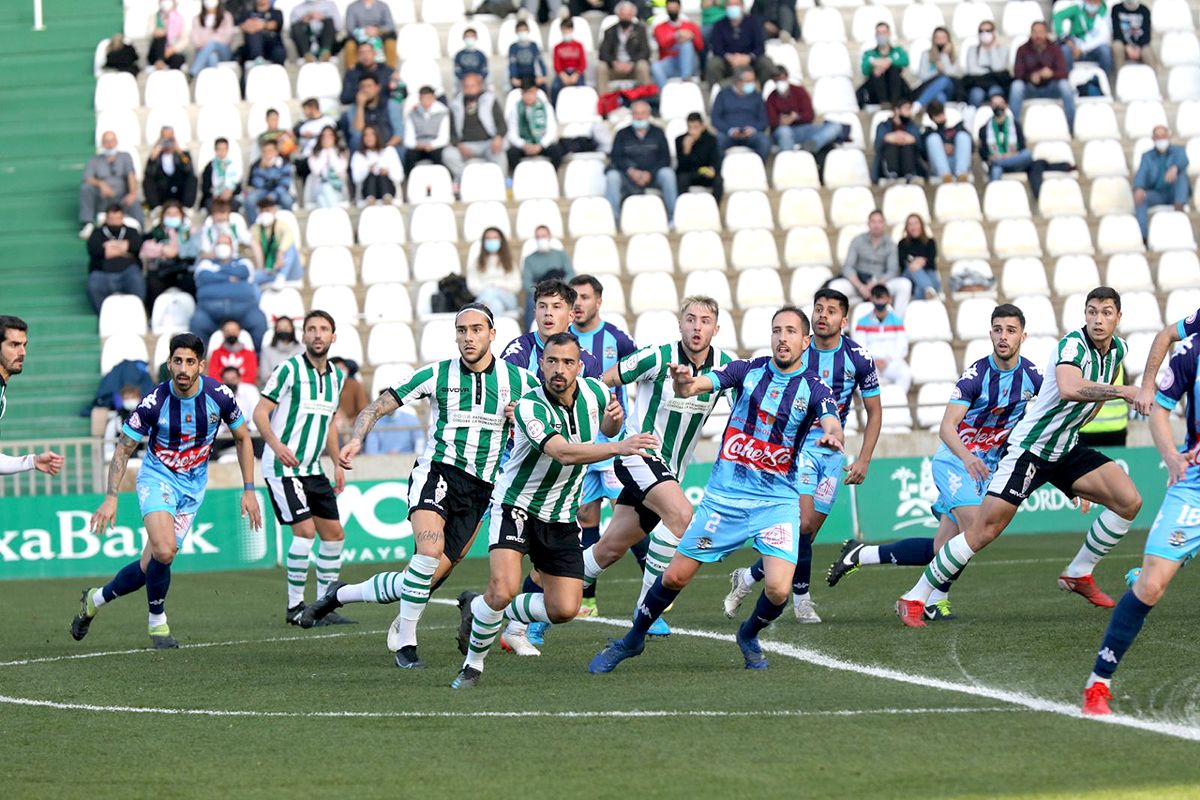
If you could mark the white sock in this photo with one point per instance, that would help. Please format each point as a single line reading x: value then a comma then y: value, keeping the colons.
x: 936, y: 596
x: 98, y: 598
x: 591, y: 567
x: 329, y: 564
x: 364, y: 592
x: 947, y: 562
x: 1105, y: 534
x: 485, y: 627
x: 1094, y: 678
x: 528, y: 607
x: 662, y: 548
x: 157, y: 619
x: 414, y: 595
x: 797, y: 599
x: 869, y: 554
x: 297, y: 569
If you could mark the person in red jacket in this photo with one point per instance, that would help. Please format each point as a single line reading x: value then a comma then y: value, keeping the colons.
x: 790, y: 114
x: 232, y: 353
x: 570, y: 61
x: 679, y: 46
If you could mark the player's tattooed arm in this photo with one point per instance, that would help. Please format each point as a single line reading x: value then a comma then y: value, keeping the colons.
x: 1072, y: 386
x: 1100, y: 392
x: 379, y: 407
x: 120, y: 460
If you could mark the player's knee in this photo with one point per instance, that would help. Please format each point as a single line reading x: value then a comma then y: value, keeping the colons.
x: 163, y: 554
x: 678, y: 518
x: 1130, y: 508
x: 777, y: 592
x: 1149, y: 588
x: 559, y: 612
x: 499, y: 595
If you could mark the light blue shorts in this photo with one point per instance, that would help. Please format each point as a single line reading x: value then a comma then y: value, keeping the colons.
x: 820, y: 475
x: 159, y: 489
x: 722, y: 525
x: 955, y: 485
x: 600, y: 482
x: 1175, y: 534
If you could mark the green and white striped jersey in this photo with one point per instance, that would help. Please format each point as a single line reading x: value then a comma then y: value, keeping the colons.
x: 306, y: 401
x: 1051, y: 425
x: 532, y: 480
x: 3, y: 398
x: 675, y: 420
x: 468, y: 428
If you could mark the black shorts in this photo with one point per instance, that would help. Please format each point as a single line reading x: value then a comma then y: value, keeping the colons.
x: 553, y: 547
x: 1020, y: 473
x: 300, y: 498
x: 458, y: 498
x: 638, y: 475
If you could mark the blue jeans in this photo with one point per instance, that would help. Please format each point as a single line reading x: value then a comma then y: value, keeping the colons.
x: 210, y: 314
x: 210, y: 55
x: 1102, y: 54
x: 619, y: 187
x: 923, y: 280
x: 759, y: 143
x: 813, y: 136
x: 938, y: 89
x: 680, y: 66
x: 939, y: 162
x: 977, y: 96
x: 101, y: 284
x: 1060, y: 89
x: 1175, y: 194
x: 1017, y: 162
x: 280, y: 196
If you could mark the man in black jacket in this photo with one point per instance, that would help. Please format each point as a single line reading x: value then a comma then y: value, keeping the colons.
x: 624, y: 50
x: 640, y: 159
x: 169, y: 172
x: 698, y: 157
x: 113, y: 266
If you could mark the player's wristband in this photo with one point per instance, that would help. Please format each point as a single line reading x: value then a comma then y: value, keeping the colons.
x: 248, y: 487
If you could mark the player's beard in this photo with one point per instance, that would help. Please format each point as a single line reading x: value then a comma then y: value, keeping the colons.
x: 312, y: 352
x: 480, y: 356
x: 12, y: 368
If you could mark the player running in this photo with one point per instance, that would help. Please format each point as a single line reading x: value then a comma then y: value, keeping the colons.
x: 536, y: 500
x: 305, y: 391
x: 1043, y: 448
x: 988, y: 401
x: 1175, y: 536
x: 1158, y: 352
x: 451, y: 482
x: 608, y: 344
x: 180, y: 418
x: 754, y: 490
x: 14, y: 340
x: 845, y: 367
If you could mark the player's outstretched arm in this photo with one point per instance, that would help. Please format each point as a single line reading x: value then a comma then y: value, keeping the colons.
x: 1158, y: 353
x: 856, y: 473
x: 378, y: 408
x: 1072, y: 386
x: 612, y: 377
x: 688, y: 385
x: 948, y: 432
x: 569, y: 454
x: 262, y: 421
x: 48, y: 462
x: 834, y: 437
x: 103, y: 519
x: 1160, y: 428
x: 614, y: 417
x: 245, y: 456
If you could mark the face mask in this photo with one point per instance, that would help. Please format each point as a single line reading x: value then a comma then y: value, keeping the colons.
x: 880, y: 306
x: 734, y: 12
x: 626, y: 24
x: 1161, y: 145
x: 210, y: 4
x: 1131, y: 4
x: 108, y: 152
x: 543, y: 245
x: 523, y: 37
x: 223, y: 252
x: 267, y: 219
x: 881, y: 41
x: 986, y: 37
x: 998, y: 113
x: 173, y: 222
x: 673, y: 15
x: 782, y: 87
x: 470, y: 98
x: 285, y: 336
x: 230, y: 341
x: 1091, y: 8
x: 469, y: 44
x: 748, y: 88
x: 491, y: 245
x: 129, y: 403
x: 640, y: 124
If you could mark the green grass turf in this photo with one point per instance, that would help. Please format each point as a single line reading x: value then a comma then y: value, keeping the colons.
x: 1015, y: 632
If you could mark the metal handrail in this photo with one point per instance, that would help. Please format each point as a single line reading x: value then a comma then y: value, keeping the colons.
x: 83, y: 472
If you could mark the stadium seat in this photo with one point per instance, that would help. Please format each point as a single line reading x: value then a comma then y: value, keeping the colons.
x: 701, y: 250
x: 846, y: 167
x: 420, y: 39
x: 1067, y: 236
x: 433, y: 261
x: 116, y: 90
x: 384, y: 263
x: 846, y: 235
x: 1061, y: 197
x: 122, y: 313
x: 1073, y: 274
x: 596, y: 255
x: 823, y: 25
x: 483, y: 38
x: 482, y: 180
x: 1129, y: 272
x: 833, y: 94
x: 1045, y: 122
x: 902, y: 200
x: 340, y: 303
x: 576, y: 110
x: 1187, y: 119
x: 648, y: 252
x: 1042, y: 350
x: 534, y: 179
x: 1170, y: 230
x: 640, y: 213
x: 754, y: 248
x: 583, y: 177
x: 795, y: 169
x: 828, y: 59
x: 862, y: 27
x: 680, y: 98
x: 956, y: 201
x: 1110, y: 196
x: 1023, y: 276
x: 755, y: 330
x: 320, y: 80
x: 805, y: 281
x: 222, y: 119
x: 1006, y: 200
x: 1104, y: 158
x: 932, y: 362
x: 1178, y: 269
x: 653, y: 291
x: 614, y: 294
x: 1182, y: 303
x: 166, y: 87
x: 973, y: 318
x: 655, y: 326
x: 380, y: 224
x: 280, y: 303
x: 124, y: 123
x: 328, y: 226
x: 799, y: 207
x: 438, y: 340
x: 968, y: 15
x: 122, y: 347
x: 851, y: 205
x: 1139, y: 313
x: 931, y: 403
x: 433, y: 222
x: 217, y: 86
x: 268, y: 83
x: 927, y: 321
x: 919, y: 20
x: 743, y: 170
x: 759, y: 287
x: 1019, y: 15
x: 1173, y: 15
x: 976, y: 349
x: 1178, y: 48
x: 1039, y: 315
x: 429, y: 183
x: 1119, y: 233
x: 391, y: 342
x: 963, y: 238
x: 748, y: 209
x: 532, y: 213
x: 1142, y: 117
x: 331, y: 265
x: 712, y: 283
x: 485, y: 214
x: 172, y: 311
x: 807, y: 246
x: 1183, y: 83
x: 1139, y: 349
x: 1137, y: 82
x: 508, y: 329
x: 697, y: 211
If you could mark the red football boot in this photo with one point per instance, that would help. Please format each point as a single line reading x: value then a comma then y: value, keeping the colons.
x: 1086, y: 588
x: 1095, y: 700
x: 911, y: 612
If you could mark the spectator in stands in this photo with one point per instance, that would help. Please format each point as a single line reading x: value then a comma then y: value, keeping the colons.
x: 278, y: 253
x: 477, y: 127
x: 739, y: 115
x: 354, y: 396
x: 882, y: 332
x: 225, y: 290
x: 113, y: 267
x: 233, y: 354
x: 737, y: 41
x: 570, y: 61
x: 624, y: 51
x: 109, y: 177
x: 168, y: 253
x: 898, y: 148
x: 947, y: 147
x: 987, y: 66
x: 917, y: 252
x: 373, y: 108
x: 1002, y: 142
x: 285, y: 143
x: 640, y: 159
x: 223, y: 219
x: 493, y: 278
x: 212, y: 36
x: 1161, y: 179
x: 262, y: 40
x: 883, y: 67
x: 306, y: 131
x: 698, y: 157
x: 546, y: 262
x: 166, y: 37
x: 375, y: 169
x: 1131, y: 33
x: 170, y: 174
x: 578, y: 7
x: 937, y: 71
x: 871, y: 261
x: 532, y: 128
x: 328, y: 171
x: 525, y: 61
x: 1041, y: 71
x: 790, y: 115
x: 680, y: 44
x: 222, y: 177
x: 282, y: 347
x: 271, y: 176
x: 400, y: 433
x: 470, y: 58
x: 1085, y: 32
x: 121, y: 56
x: 370, y: 22
x: 427, y: 132
x: 366, y: 65
x: 779, y: 19
x: 245, y: 394
x: 315, y: 26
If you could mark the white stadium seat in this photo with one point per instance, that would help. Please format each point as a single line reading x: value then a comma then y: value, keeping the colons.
x: 833, y: 94
x: 1061, y: 197
x: 919, y: 20
x: 1006, y: 200
x: 748, y: 209
x: 433, y: 261
x: 1142, y: 117
x: 1173, y: 15
x: 759, y: 287
x: 1139, y: 313
x: 116, y: 90
x: 268, y: 83
x: 387, y: 302
x: 485, y: 214
x: 902, y: 200
x: 391, y: 342
x: 1073, y: 274
x: 1170, y: 230
x: 433, y: 222
x: 1111, y: 195
x: 656, y: 326
x: 846, y: 167
x: 532, y: 213
x: 973, y: 318
x: 482, y: 180
x: 380, y: 224
x: 340, y: 303
x: 795, y: 169
x: 827, y: 59
x: 172, y: 311
x: 697, y: 211
x: 653, y: 291
x: 596, y: 255
x: 614, y: 294
x: 967, y: 16
x: 956, y: 201
x: 1119, y: 233
x: 1104, y: 157
x: 862, y: 26
x: 1068, y: 236
x: 931, y: 403
x: 331, y: 265
x: 851, y: 205
x: 1014, y: 238
x: 701, y: 250
x: 389, y: 376
x: 1181, y: 303
x: 328, y: 226
x: 755, y: 330
x: 122, y: 313
x: 932, y: 362
x: 438, y: 340
x: 640, y: 213
x: 743, y: 170
x: 320, y: 80
x: 282, y: 303
x: 583, y: 177
x: 680, y: 98
x: 122, y: 347
x: 384, y: 263
x: 1024, y: 276
x: 1039, y: 315
x: 805, y: 282
x: 534, y: 178
x: 712, y: 283
x: 964, y: 239
x: 217, y: 86
x: 1137, y: 82
x: 754, y: 248
x: 1178, y: 269
x: 927, y: 320
x: 648, y: 252
x: 1178, y: 48
x: 799, y: 207
x: 823, y: 25
x: 166, y: 87
x: 807, y: 246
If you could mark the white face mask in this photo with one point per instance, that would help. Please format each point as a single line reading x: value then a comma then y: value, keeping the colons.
x: 1161, y: 145
x: 210, y: 4
x: 543, y: 245
x: 782, y: 87
x: 129, y: 403
x: 469, y: 43
x: 266, y: 219
x: 986, y: 37
x: 568, y: 37
x: 522, y: 36
x: 223, y: 251
x: 108, y: 152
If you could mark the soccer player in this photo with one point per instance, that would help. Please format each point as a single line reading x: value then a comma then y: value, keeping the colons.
x: 1175, y: 535
x: 451, y: 482
x: 14, y: 340
x: 651, y: 492
x: 608, y: 344
x: 1158, y: 352
x: 988, y: 401
x: 305, y: 391
x: 754, y: 490
x: 180, y: 418
x: 845, y: 367
x: 1043, y: 448
x: 536, y: 502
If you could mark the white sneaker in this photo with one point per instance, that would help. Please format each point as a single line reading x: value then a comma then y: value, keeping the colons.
x: 86, y: 230
x: 738, y: 590
x: 393, y: 635
x: 514, y: 641
x: 806, y: 611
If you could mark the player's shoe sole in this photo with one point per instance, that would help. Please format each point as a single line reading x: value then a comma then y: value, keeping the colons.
x: 467, y: 678
x: 292, y: 616
x: 407, y: 658
x: 465, y: 617
x: 939, y: 611
x: 751, y: 651
x: 1086, y: 588
x: 607, y: 659
x: 1095, y: 700
x: 161, y: 638
x: 846, y: 564
x: 911, y: 612
x: 322, y: 607
x: 738, y: 591
x: 517, y: 644
x: 83, y: 620
x: 334, y: 618
x: 659, y: 629
x: 806, y: 612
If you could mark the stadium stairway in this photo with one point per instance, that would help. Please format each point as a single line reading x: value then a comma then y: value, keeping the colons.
x: 46, y: 92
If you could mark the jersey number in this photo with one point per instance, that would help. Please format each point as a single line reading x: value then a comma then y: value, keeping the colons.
x: 714, y: 522
x: 1188, y: 517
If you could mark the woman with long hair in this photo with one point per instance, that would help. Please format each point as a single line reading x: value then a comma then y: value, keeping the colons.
x: 212, y: 36
x: 491, y: 277
x: 326, y: 184
x: 918, y: 259
x: 375, y: 168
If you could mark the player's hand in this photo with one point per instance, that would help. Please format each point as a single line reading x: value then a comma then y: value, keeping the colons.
x: 1084, y: 506
x: 637, y: 445
x: 339, y: 479
x: 1130, y: 394
x: 831, y: 442
x: 1144, y: 403
x: 976, y: 468
x: 682, y: 378
x: 613, y: 410
x: 856, y: 473
x: 251, y: 510
x: 49, y: 462
x: 510, y: 415
x: 1177, y: 467
x: 104, y: 517
x: 346, y: 457
x: 286, y: 456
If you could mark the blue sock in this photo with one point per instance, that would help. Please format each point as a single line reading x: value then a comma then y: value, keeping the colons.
x: 756, y: 570
x: 656, y: 602
x: 639, y: 552
x: 907, y: 552
x: 764, y: 614
x: 530, y: 586
x: 591, y: 535
x: 158, y: 580
x: 127, y: 581
x: 1123, y: 627
x: 803, y: 573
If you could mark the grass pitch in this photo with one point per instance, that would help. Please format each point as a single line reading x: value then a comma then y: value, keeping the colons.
x: 262, y: 709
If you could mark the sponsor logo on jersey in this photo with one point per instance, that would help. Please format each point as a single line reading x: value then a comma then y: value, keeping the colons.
x: 1177, y: 539
x: 741, y: 448
x: 703, y: 543
x: 183, y: 460
x: 1070, y: 349
x: 779, y: 536
x: 535, y: 429
x: 214, y: 419
x: 981, y: 439
x: 610, y: 353
x: 1030, y: 474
